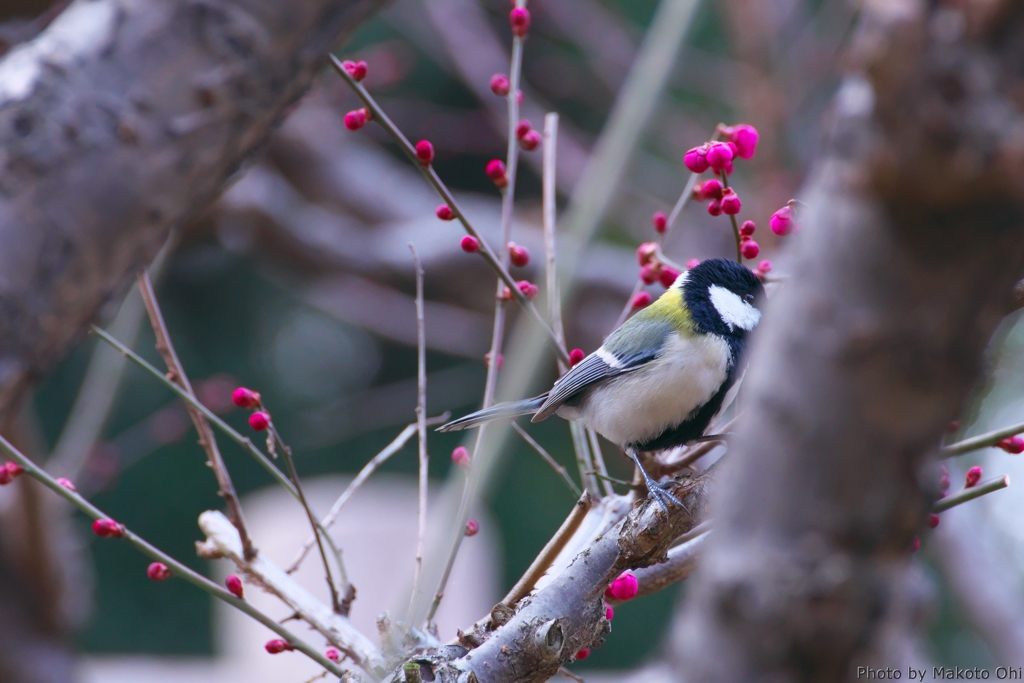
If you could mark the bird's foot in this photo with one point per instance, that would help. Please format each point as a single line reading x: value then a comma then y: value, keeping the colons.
x: 661, y: 494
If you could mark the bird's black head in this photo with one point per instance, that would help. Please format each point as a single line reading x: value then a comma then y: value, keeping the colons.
x: 724, y: 297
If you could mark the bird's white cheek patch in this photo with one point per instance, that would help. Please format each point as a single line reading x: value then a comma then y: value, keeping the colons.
x: 735, y: 311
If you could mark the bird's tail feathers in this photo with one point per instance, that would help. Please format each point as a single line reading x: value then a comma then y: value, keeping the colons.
x: 509, y: 409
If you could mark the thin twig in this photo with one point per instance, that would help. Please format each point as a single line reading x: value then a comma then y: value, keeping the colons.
x: 562, y: 472
x: 971, y: 493
x: 598, y: 459
x: 177, y: 568
x: 568, y: 674
x: 207, y: 439
x: 986, y: 440
x: 421, y: 426
x: 732, y: 219
x: 550, y: 551
x: 364, y: 474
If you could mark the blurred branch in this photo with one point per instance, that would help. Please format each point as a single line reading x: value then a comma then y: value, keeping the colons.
x: 421, y: 424
x: 976, y: 491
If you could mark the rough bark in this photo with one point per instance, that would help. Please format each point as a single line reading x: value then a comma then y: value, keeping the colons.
x: 120, y: 120
x: 909, y: 253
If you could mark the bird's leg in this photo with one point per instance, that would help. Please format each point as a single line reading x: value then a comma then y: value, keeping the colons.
x: 654, y: 488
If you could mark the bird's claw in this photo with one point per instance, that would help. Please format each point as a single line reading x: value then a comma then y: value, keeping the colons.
x: 660, y: 493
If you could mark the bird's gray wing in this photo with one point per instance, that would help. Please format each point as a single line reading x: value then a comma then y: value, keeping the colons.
x: 636, y: 343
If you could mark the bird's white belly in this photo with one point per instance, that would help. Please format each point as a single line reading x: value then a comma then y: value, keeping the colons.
x: 641, y: 404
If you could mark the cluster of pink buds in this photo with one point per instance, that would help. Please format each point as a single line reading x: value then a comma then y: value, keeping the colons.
x: 357, y: 70
x: 247, y: 398
x: 357, y: 118
x: 158, y: 571
x: 518, y: 255
x: 519, y: 19
x: 748, y: 247
x: 972, y: 477
x: 716, y: 156
x: 529, y: 139
x: 1013, y: 445
x: 472, y: 527
x: 496, y: 172
x: 575, y: 356
x: 234, y: 586
x: 277, y: 646
x: 624, y: 587
x: 107, y: 528
x: 652, y: 269
x: 528, y: 289
x: 460, y: 456
x: 9, y: 472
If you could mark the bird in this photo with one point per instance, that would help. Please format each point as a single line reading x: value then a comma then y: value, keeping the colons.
x: 662, y: 377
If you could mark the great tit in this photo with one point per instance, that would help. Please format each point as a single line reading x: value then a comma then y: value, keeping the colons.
x: 660, y: 379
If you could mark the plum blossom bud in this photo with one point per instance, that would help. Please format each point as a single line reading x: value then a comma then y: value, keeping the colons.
x: 460, y: 456
x: 765, y: 266
x: 107, y: 528
x: 609, y: 613
x: 259, y: 420
x: 357, y: 70
x: 530, y: 141
x: 575, y: 356
x: 444, y: 212
x: 1013, y: 445
x: 731, y: 204
x: 583, y: 654
x: 518, y: 255
x: 641, y: 300
x: 749, y: 248
x: 748, y: 228
x: 522, y: 128
x: 332, y: 654
x: 496, y: 172
x: 158, y: 571
x: 425, y: 152
x: 470, y: 244
x: 715, y: 207
x: 624, y: 587
x: 781, y: 221
x: 660, y: 221
x: 744, y: 137
x: 13, y: 470
x: 916, y: 545
x: 650, y: 273
x: 501, y: 359
x: 472, y: 527
x: 245, y: 398
x: 973, y: 477
x: 933, y: 520
x: 692, y: 263
x: 500, y: 84
x: 696, y: 159
x: 645, y: 253
x: 355, y: 119
x: 954, y: 427
x: 277, y: 646
x: 668, y: 276
x: 528, y: 289
x: 718, y: 156
x: 234, y: 586
x: 66, y: 483
x: 519, y: 18
x: 709, y: 189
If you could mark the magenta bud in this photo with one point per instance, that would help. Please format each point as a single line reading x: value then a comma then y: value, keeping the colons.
x: 245, y: 398
x: 641, y: 300
x: 234, y: 585
x: 425, y: 152
x: 518, y: 255
x: 575, y: 356
x: 500, y: 84
x: 748, y: 228
x: 460, y: 456
x: 696, y: 159
x: 624, y: 587
x: 744, y: 137
x: 973, y: 477
x: 519, y: 18
x: 470, y: 244
x: 749, y: 248
x: 530, y: 141
x: 158, y: 571
x: 731, y: 204
x: 781, y: 221
x: 472, y: 527
x: 668, y: 276
x: 660, y: 221
x: 259, y: 420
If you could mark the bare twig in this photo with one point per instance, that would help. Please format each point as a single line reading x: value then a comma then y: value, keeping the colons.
x: 598, y: 459
x: 177, y: 568
x: 971, y: 493
x: 568, y: 674
x: 176, y: 373
x: 421, y: 425
x: 562, y: 472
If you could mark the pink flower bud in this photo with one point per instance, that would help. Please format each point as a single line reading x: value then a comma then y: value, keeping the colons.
x: 501, y: 359
x: 641, y: 300
x: 519, y: 18
x: 355, y: 119
x: 470, y: 244
x: 496, y: 172
x: 5, y: 477
x: 522, y: 128
x: 765, y: 266
x: 749, y: 248
x: 718, y: 156
x: 609, y: 613
x: 650, y: 273
x: 234, y: 586
x: 933, y: 520
x: 660, y: 222
x: 472, y: 527
x: 973, y: 477
x: 357, y: 70
x: 277, y: 646
x: 645, y: 253
x: 715, y: 207
x: 107, y: 528
x: 259, y: 420
x: 668, y: 276
x: 500, y: 84
x: 245, y: 398
x: 748, y: 228
x: 709, y: 189
x: 425, y: 152
x: 916, y: 545
x: 528, y: 289
x: 530, y: 141
x: 575, y: 356
x: 66, y: 483
x: 506, y: 294
x: 14, y: 469
x: 460, y: 456
x: 583, y: 654
x: 781, y: 221
x: 692, y: 263
x: 332, y: 654
x: 624, y: 587
x: 745, y: 138
x: 731, y: 204
x: 519, y: 256
x: 953, y: 427
x: 158, y: 571
x: 1013, y: 445
x: 444, y: 212
x: 696, y: 159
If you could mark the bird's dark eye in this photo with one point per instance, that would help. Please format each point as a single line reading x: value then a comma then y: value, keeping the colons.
x: 749, y: 298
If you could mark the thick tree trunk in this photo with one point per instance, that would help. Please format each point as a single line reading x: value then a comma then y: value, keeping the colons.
x: 120, y: 120
x: 911, y: 247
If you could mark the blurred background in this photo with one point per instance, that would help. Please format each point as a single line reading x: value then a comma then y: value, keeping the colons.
x: 298, y: 283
